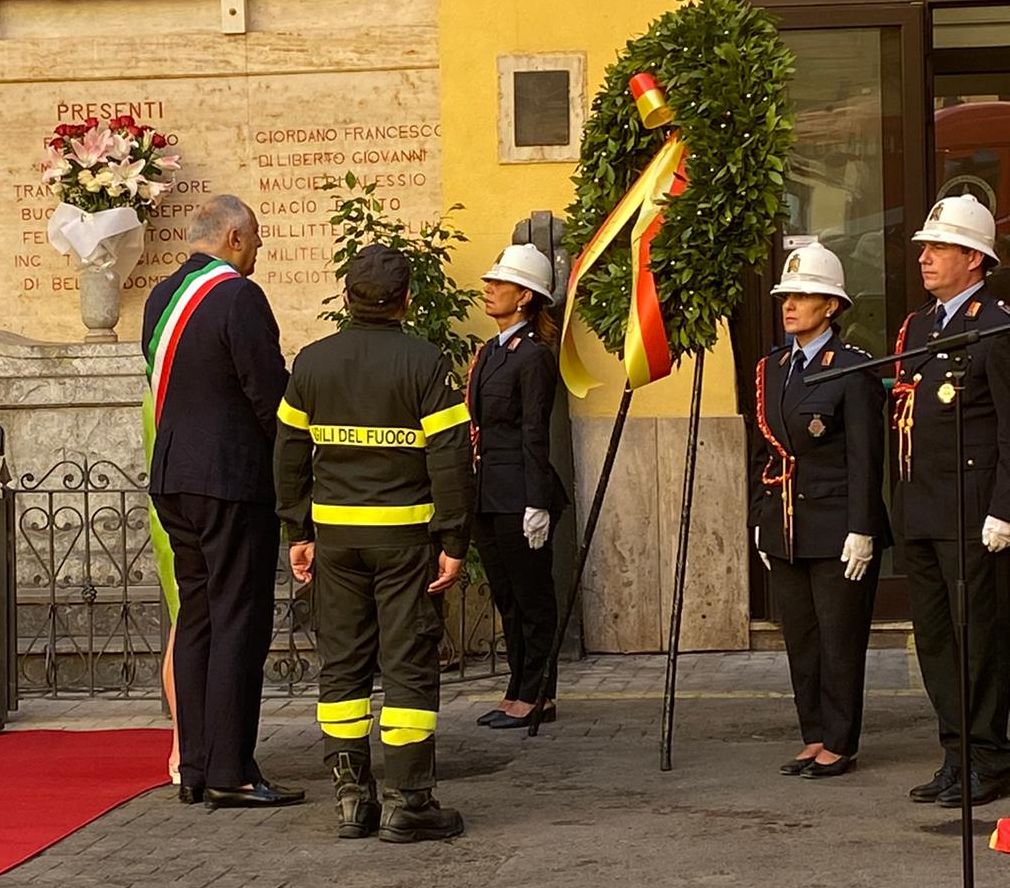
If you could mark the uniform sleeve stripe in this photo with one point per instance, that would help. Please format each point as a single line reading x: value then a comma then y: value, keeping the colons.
x: 445, y: 419
x: 297, y: 419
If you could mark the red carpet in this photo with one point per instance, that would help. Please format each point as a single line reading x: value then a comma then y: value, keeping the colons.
x: 55, y: 782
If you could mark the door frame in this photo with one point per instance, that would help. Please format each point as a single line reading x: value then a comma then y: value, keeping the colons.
x: 755, y: 329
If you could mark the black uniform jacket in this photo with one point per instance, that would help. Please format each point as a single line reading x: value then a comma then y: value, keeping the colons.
x: 373, y: 448
x: 926, y: 506
x: 217, y: 427
x: 835, y: 430
x: 511, y: 397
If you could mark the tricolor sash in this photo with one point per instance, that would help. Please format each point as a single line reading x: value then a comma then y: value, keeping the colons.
x: 172, y: 323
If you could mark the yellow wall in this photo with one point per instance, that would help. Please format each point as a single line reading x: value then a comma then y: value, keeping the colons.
x: 496, y: 195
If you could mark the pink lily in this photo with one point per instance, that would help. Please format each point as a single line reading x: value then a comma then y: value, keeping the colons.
x: 56, y: 165
x: 167, y: 162
x: 93, y: 149
x: 126, y: 175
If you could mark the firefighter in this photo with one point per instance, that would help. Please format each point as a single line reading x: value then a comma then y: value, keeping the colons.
x: 956, y: 249
x: 819, y: 520
x: 374, y: 487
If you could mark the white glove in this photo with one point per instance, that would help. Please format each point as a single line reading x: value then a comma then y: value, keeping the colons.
x: 757, y: 545
x: 536, y: 526
x: 857, y: 552
x: 995, y: 534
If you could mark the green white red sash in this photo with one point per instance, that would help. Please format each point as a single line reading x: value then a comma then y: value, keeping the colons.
x: 172, y: 323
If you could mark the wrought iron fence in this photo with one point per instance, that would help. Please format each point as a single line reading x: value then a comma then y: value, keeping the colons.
x: 90, y: 614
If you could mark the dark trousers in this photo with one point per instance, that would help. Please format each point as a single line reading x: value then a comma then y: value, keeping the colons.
x: 523, y: 590
x: 374, y: 610
x: 826, y: 625
x: 225, y: 565
x: 931, y: 566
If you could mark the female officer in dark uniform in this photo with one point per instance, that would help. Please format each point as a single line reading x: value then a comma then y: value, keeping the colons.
x: 816, y: 508
x: 519, y: 496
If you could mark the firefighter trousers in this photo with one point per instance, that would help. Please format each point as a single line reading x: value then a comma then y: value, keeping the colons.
x: 375, y: 612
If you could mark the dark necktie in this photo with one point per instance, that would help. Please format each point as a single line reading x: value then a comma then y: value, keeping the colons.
x: 796, y: 370
x: 941, y: 314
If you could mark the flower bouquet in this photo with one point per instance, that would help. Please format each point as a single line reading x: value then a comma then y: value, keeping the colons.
x: 108, y: 175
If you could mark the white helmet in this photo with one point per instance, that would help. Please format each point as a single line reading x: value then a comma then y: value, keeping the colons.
x: 960, y: 220
x: 812, y: 269
x: 525, y: 265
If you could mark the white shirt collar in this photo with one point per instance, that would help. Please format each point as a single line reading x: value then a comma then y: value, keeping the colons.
x: 952, y: 306
x: 811, y: 349
x: 506, y: 335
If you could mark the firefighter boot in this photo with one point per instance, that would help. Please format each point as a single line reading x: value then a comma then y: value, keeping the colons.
x: 357, y: 801
x: 414, y: 816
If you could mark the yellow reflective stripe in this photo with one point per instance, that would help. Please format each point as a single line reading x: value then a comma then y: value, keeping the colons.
x: 397, y: 717
x: 291, y: 416
x: 345, y: 710
x: 354, y: 730
x: 372, y: 516
x: 404, y: 736
x: 367, y: 436
x: 434, y: 423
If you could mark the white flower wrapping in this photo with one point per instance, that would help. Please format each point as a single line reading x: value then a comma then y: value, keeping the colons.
x: 112, y: 240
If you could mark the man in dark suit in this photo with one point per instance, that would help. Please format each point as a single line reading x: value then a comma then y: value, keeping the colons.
x: 217, y: 376
x: 957, y: 247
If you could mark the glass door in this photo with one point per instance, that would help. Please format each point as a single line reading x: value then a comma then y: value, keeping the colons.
x: 855, y: 184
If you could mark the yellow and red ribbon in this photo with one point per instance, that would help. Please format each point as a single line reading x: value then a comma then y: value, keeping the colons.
x: 646, y: 350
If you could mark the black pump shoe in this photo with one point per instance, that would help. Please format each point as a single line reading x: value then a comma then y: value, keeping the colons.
x: 795, y: 767
x: 489, y: 717
x: 835, y: 769
x: 505, y: 720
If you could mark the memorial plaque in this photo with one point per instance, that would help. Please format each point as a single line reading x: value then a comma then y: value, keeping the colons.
x: 541, y: 108
x: 272, y: 139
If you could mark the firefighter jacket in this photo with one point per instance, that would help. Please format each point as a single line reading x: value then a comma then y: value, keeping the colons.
x: 926, y: 501
x: 373, y: 447
x: 817, y: 469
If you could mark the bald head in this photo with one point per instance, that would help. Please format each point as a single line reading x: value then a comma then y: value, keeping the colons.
x: 226, y: 227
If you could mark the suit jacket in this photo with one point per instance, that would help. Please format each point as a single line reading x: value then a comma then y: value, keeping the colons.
x: 217, y: 427
x: 926, y: 506
x: 835, y: 430
x: 511, y: 395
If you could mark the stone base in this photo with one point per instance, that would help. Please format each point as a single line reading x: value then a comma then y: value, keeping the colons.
x: 627, y: 588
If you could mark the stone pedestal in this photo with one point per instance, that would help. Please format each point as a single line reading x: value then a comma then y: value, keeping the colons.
x: 70, y: 401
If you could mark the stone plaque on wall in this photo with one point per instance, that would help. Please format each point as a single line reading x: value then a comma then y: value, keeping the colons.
x: 263, y: 125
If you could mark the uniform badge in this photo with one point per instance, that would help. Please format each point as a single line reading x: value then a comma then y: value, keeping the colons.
x: 816, y: 427
x: 794, y: 264
x: 973, y: 308
x: 514, y: 344
x: 784, y: 359
x: 827, y: 359
x: 946, y: 393
x: 935, y: 215
x: 1003, y: 307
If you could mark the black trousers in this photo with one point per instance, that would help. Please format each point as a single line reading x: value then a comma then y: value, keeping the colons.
x: 375, y: 611
x: 225, y: 565
x: 523, y: 590
x: 931, y: 566
x: 826, y: 625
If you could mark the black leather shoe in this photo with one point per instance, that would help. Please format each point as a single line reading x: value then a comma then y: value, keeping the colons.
x: 983, y: 790
x: 262, y: 795
x: 942, y: 780
x: 415, y: 816
x: 516, y: 721
x: 190, y: 795
x: 489, y: 717
x: 795, y: 767
x: 816, y: 771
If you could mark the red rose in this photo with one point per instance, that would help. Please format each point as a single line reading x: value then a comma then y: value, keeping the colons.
x: 114, y: 123
x: 61, y: 130
x: 134, y: 131
x: 56, y: 143
x: 126, y: 120
x: 91, y: 122
x: 158, y: 140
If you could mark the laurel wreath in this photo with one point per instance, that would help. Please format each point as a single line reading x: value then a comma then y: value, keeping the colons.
x: 725, y: 71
